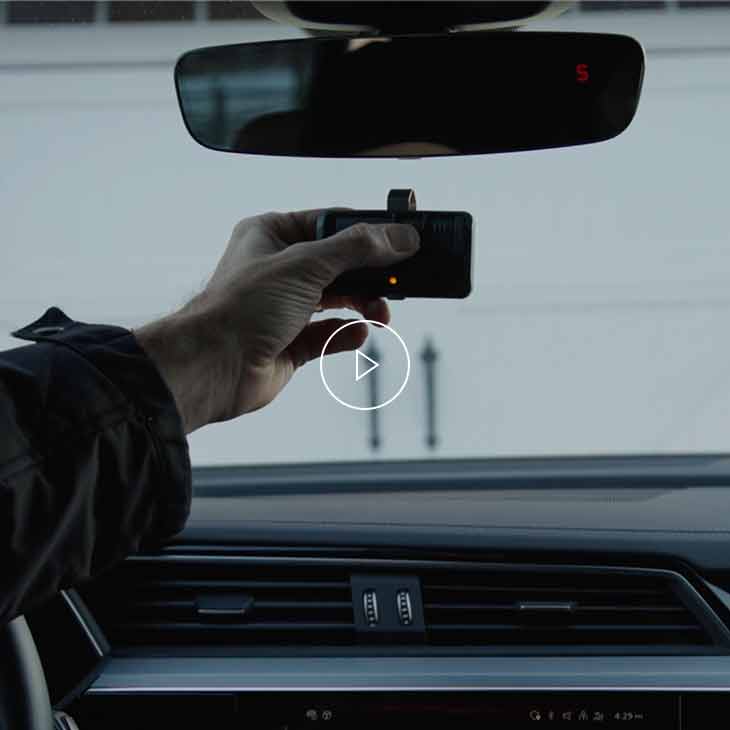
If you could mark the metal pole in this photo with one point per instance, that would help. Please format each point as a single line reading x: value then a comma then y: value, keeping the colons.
x: 429, y: 355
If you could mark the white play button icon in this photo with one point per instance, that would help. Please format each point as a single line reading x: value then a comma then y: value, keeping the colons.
x: 363, y: 365
x: 385, y: 348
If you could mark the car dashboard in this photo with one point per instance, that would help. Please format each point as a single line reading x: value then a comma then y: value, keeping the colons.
x: 494, y: 593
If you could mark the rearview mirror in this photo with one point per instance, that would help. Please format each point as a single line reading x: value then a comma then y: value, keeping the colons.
x: 411, y: 96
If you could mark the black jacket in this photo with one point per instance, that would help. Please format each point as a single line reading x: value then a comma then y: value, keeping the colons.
x: 93, y: 458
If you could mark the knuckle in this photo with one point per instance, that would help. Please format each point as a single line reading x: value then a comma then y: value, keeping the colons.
x: 241, y: 227
x: 262, y: 221
x: 361, y: 230
x: 363, y: 241
x: 265, y: 221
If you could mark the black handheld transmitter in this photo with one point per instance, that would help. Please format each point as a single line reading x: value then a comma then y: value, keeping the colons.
x: 441, y: 269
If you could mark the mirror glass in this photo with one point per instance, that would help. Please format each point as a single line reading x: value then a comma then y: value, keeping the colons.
x: 418, y: 96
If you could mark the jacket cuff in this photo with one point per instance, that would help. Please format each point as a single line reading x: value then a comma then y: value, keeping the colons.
x: 128, y: 370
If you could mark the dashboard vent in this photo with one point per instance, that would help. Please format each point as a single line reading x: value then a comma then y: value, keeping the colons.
x: 544, y: 607
x: 188, y: 600
x: 231, y: 603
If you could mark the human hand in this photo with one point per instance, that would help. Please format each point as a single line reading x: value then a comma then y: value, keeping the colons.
x: 233, y: 348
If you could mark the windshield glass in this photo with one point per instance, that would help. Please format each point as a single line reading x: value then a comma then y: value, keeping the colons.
x: 600, y: 308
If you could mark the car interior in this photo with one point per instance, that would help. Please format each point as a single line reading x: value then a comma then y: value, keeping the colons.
x: 543, y: 541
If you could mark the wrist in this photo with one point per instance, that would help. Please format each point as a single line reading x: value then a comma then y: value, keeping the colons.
x: 187, y: 354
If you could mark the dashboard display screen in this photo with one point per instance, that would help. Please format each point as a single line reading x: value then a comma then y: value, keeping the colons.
x: 457, y: 710
x: 414, y: 710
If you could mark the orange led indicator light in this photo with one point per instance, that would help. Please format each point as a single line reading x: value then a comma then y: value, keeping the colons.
x: 392, y: 280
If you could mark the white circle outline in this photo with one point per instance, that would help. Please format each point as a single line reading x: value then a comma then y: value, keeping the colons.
x: 380, y: 405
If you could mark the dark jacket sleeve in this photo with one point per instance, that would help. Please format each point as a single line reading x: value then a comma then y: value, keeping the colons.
x: 93, y: 458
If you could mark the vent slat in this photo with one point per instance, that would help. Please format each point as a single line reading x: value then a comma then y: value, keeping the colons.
x: 572, y: 590
x: 580, y: 609
x: 250, y: 626
x: 643, y: 628
x: 240, y: 585
x: 259, y: 605
x: 190, y: 634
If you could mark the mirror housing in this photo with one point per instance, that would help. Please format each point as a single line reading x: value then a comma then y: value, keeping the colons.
x: 392, y: 17
x: 411, y: 96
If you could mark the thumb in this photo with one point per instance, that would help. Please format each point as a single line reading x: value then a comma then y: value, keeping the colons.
x: 362, y: 245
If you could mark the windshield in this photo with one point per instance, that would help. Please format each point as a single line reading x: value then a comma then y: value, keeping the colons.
x: 600, y: 308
